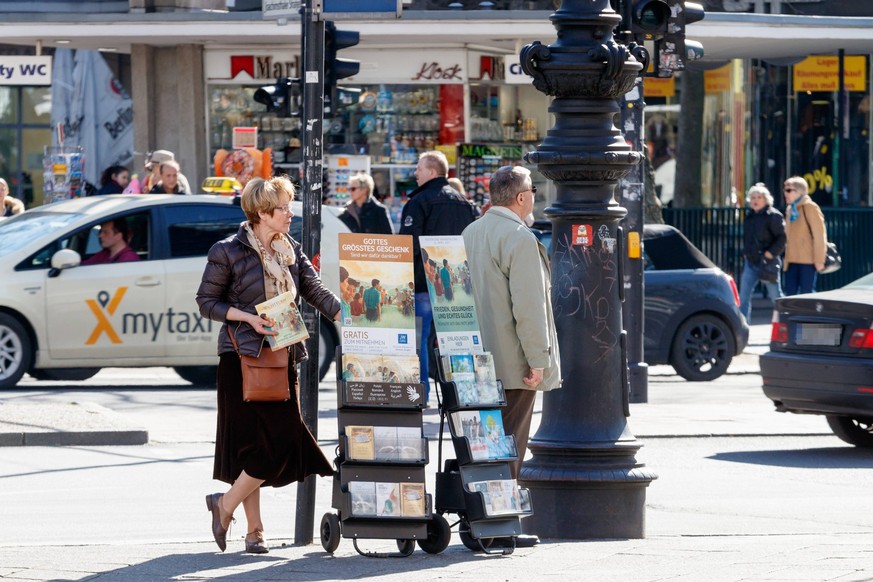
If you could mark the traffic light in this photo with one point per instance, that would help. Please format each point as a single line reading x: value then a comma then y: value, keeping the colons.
x: 664, y: 22
x: 335, y: 68
x: 649, y: 18
x: 283, y: 98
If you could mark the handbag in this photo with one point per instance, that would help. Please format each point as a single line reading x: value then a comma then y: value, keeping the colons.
x: 769, y: 270
x: 833, y: 260
x: 265, y: 377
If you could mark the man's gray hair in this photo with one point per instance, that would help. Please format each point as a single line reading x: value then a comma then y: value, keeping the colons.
x: 506, y: 182
x: 761, y: 189
x: 436, y: 161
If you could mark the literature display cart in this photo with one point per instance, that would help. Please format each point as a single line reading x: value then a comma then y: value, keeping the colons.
x: 478, y: 485
x: 379, y: 482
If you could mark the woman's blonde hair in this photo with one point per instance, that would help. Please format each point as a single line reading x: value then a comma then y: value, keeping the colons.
x: 261, y: 195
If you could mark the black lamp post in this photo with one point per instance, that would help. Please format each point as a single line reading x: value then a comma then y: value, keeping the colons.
x: 584, y: 477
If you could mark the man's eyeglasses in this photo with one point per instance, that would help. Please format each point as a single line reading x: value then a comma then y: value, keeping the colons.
x: 531, y: 189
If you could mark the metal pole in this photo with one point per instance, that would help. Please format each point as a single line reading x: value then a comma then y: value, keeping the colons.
x: 584, y: 479
x: 313, y: 163
x: 632, y: 197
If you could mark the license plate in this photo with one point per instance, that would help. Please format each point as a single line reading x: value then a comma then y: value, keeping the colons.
x: 818, y: 334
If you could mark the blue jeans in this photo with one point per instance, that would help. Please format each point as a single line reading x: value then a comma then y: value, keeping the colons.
x: 424, y: 310
x: 748, y: 280
x: 800, y: 279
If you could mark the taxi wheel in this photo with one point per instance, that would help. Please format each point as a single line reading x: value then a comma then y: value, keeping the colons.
x: 16, y: 352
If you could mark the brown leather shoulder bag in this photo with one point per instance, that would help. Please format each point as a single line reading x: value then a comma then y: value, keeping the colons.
x: 265, y: 378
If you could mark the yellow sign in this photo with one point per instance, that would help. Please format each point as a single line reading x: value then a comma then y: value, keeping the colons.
x: 655, y: 87
x: 717, y: 80
x: 822, y: 74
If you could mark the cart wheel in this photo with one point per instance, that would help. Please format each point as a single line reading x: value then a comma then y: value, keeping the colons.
x: 469, y: 541
x: 330, y: 532
x: 406, y: 547
x: 439, y: 534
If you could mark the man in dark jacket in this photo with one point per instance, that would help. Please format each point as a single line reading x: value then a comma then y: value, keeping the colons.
x: 433, y: 209
x: 763, y: 243
x: 364, y: 213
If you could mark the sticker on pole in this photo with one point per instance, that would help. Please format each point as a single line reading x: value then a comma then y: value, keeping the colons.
x: 583, y: 235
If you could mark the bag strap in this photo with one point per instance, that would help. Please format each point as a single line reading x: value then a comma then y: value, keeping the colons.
x: 233, y: 340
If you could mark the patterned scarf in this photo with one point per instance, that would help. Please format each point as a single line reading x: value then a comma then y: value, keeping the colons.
x: 793, y: 214
x: 277, y: 277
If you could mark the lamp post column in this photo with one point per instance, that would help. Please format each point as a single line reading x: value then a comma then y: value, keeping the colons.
x: 584, y: 478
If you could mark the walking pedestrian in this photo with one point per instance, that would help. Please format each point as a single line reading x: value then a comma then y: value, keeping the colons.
x: 258, y: 444
x: 363, y: 213
x: 763, y: 244
x: 807, y: 238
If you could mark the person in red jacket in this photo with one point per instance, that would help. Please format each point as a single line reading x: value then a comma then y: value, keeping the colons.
x: 115, y: 238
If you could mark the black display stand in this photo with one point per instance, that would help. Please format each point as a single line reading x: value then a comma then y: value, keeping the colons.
x: 370, y: 405
x: 479, y: 530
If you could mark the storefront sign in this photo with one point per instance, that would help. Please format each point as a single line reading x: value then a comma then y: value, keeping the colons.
x: 435, y: 71
x: 717, y: 80
x: 275, y: 9
x: 822, y: 74
x: 25, y: 70
x: 227, y: 65
x: 512, y: 71
x: 657, y: 87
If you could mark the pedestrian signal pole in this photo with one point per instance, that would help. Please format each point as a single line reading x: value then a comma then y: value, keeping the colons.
x: 313, y: 164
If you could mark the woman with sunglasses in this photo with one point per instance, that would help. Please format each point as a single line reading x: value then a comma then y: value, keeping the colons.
x: 365, y: 214
x: 807, y: 238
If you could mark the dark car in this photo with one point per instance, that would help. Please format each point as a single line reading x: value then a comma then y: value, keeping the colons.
x: 692, y: 318
x: 821, y: 358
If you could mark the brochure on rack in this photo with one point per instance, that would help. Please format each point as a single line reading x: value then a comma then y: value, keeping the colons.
x: 451, y: 294
x: 378, y: 294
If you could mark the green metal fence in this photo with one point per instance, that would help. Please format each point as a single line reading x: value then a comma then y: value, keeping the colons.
x: 718, y: 232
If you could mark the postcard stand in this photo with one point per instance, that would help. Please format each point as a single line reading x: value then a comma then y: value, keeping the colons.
x: 370, y: 411
x: 480, y: 527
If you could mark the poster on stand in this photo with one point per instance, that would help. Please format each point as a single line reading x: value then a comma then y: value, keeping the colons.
x: 451, y: 294
x: 378, y: 295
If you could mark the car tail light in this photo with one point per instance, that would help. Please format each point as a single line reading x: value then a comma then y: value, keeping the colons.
x: 779, y: 331
x: 861, y: 338
x: 734, y: 289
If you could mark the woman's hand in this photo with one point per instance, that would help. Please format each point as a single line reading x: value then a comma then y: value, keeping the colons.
x: 263, y: 325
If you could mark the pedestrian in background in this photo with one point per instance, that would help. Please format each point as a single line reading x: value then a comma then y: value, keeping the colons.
x: 363, y: 213
x: 807, y: 238
x: 9, y: 206
x: 763, y: 244
x: 258, y: 444
x: 114, y: 180
x: 170, y: 183
x: 433, y: 209
x: 459, y: 186
x: 153, y: 171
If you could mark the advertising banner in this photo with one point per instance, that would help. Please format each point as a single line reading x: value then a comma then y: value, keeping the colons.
x: 378, y: 294
x: 451, y: 294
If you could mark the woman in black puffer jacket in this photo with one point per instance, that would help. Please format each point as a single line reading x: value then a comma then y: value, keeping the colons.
x: 258, y: 444
x: 763, y: 243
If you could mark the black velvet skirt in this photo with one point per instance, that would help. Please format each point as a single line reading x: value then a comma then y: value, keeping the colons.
x: 267, y: 440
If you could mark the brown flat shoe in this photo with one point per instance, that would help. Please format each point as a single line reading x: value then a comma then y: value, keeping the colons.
x: 219, y: 525
x: 255, y: 542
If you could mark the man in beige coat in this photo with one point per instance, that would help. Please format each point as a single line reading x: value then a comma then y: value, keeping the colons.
x: 512, y: 289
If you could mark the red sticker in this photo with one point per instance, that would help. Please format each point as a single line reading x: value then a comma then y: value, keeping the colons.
x: 583, y: 235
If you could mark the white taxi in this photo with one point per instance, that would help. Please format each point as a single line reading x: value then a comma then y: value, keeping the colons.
x: 62, y: 319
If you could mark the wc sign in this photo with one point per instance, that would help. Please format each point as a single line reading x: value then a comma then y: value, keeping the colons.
x: 25, y: 70
x: 512, y: 71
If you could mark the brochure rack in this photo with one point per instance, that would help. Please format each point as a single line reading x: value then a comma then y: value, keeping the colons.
x: 379, y: 479
x: 478, y: 484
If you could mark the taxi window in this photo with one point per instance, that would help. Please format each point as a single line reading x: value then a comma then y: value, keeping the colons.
x: 20, y: 231
x: 194, y: 228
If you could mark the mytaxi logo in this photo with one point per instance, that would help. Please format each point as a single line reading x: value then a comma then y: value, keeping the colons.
x: 105, y: 304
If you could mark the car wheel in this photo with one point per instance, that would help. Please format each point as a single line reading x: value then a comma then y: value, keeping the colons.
x: 855, y: 431
x: 702, y: 348
x: 16, y: 352
x: 64, y: 374
x: 198, y: 375
x: 327, y: 342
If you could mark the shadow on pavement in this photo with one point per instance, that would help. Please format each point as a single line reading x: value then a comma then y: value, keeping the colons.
x: 847, y: 457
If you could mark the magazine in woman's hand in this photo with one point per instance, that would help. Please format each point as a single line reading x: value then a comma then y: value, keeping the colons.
x: 286, y: 320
